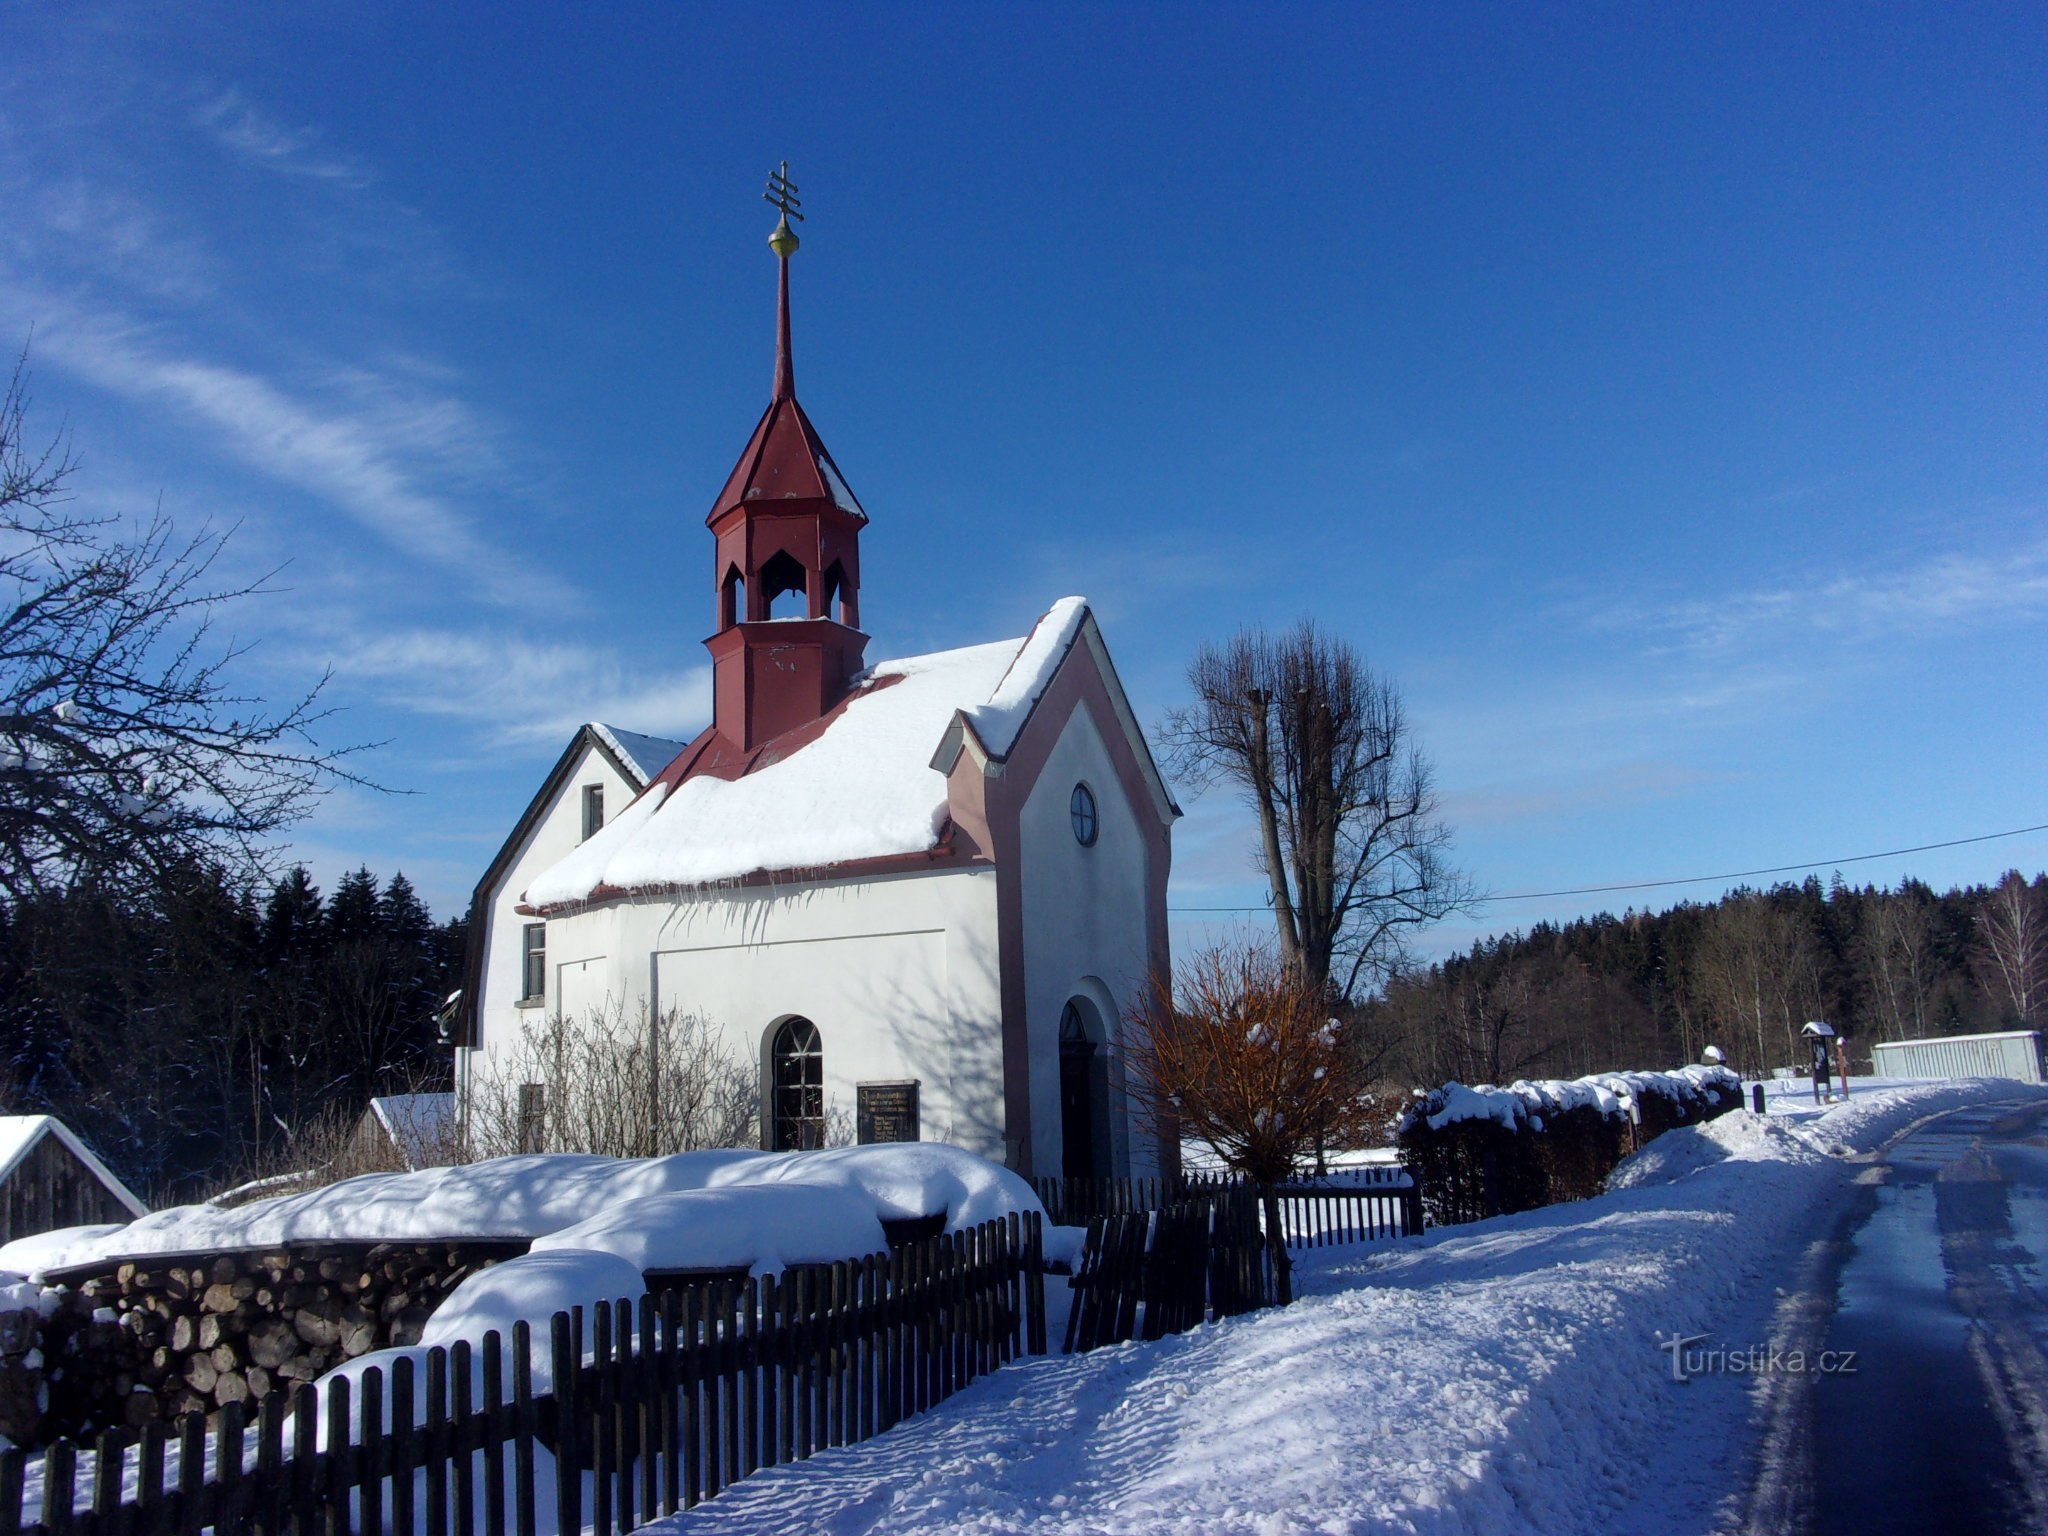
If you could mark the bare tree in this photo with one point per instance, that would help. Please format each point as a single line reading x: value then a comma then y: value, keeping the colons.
x: 1350, y: 837
x: 608, y: 1083
x: 1756, y: 970
x: 126, y: 755
x: 1239, y: 1049
x: 1896, y: 945
x: 2012, y: 936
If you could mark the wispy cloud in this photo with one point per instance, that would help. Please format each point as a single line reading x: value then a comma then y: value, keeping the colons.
x: 371, y: 444
x: 1939, y: 590
x: 256, y: 139
x: 519, y: 691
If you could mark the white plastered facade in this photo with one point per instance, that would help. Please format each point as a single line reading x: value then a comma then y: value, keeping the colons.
x: 900, y: 972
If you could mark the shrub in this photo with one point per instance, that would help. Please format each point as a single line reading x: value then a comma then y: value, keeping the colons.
x: 1479, y: 1152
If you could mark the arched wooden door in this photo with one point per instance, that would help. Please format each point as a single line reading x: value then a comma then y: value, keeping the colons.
x: 1083, y: 1093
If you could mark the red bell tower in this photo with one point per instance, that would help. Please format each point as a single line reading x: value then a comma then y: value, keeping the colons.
x: 786, y: 526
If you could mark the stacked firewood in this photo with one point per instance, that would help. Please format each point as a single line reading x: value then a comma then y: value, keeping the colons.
x: 157, y: 1339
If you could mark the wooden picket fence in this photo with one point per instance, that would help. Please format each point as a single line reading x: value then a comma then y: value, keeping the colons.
x: 1318, y: 1215
x: 1356, y: 1205
x: 653, y: 1407
x: 1145, y: 1274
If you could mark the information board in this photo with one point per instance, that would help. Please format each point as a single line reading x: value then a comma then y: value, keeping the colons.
x: 886, y: 1112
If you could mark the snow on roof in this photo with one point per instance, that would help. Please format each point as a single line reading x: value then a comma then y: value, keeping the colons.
x: 998, y: 721
x: 532, y: 1196
x: 644, y: 756
x: 420, y: 1125
x: 865, y: 788
x: 19, y: 1133
x: 842, y: 493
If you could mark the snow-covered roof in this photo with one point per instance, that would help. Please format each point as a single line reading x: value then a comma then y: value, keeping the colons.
x: 641, y: 756
x: 865, y: 788
x: 20, y: 1133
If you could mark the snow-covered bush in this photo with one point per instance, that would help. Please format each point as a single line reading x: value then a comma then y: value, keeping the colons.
x: 1486, y: 1151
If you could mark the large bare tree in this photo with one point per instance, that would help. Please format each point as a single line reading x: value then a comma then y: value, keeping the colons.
x: 126, y: 753
x: 1351, y: 840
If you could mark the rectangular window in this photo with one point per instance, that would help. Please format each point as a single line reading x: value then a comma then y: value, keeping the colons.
x: 534, y: 973
x: 593, y: 810
x: 533, y: 1116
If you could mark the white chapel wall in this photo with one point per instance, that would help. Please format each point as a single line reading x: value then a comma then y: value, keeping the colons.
x: 1084, y: 928
x: 899, y: 973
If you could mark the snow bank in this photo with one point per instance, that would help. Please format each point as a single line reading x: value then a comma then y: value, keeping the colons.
x: 1739, y: 1136
x: 906, y: 1179
x: 1878, y: 1112
x: 531, y: 1197
x: 763, y: 1228
x: 1493, y: 1379
x: 863, y: 789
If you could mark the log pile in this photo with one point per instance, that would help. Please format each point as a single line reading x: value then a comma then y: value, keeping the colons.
x: 155, y: 1340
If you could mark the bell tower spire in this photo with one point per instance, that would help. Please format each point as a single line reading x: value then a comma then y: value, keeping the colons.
x: 787, y: 527
x: 783, y: 242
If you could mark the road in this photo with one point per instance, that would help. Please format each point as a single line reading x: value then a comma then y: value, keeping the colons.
x: 1940, y: 1423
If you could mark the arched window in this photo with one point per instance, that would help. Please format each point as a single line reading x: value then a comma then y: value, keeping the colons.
x: 797, y: 1075
x: 784, y: 587
x: 839, y: 602
x: 732, y: 599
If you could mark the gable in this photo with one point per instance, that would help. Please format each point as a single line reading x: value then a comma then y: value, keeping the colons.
x: 994, y: 736
x: 626, y: 754
x: 20, y: 1135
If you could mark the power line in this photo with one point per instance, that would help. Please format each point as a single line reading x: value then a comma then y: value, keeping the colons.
x: 1740, y: 874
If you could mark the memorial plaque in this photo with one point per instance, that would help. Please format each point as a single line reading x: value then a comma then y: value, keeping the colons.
x: 885, y: 1112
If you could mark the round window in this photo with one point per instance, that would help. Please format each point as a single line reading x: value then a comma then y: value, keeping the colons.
x: 1082, y: 807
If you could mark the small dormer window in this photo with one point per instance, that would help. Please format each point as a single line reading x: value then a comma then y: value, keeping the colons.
x: 1081, y: 806
x: 593, y: 810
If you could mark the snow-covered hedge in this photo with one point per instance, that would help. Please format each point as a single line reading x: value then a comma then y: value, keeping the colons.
x: 1486, y: 1151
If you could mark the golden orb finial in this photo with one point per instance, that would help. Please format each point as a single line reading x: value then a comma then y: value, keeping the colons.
x: 781, y: 194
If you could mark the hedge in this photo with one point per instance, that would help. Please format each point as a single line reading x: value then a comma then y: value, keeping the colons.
x: 1479, y: 1152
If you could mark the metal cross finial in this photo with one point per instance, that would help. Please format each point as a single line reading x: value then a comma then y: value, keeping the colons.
x: 782, y: 194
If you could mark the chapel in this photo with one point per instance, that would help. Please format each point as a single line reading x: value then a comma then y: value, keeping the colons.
x: 917, y: 895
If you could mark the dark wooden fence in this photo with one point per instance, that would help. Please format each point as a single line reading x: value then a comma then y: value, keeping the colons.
x: 1145, y: 1274
x: 653, y: 1406
x: 1356, y: 1205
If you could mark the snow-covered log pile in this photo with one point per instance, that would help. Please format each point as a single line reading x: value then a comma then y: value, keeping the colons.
x: 1486, y: 1151
x: 199, y: 1306
x: 150, y: 1341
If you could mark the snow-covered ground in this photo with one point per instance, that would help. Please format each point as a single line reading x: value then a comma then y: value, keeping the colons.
x: 1504, y: 1376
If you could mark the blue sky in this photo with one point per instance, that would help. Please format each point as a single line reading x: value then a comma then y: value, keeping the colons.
x: 1657, y: 392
